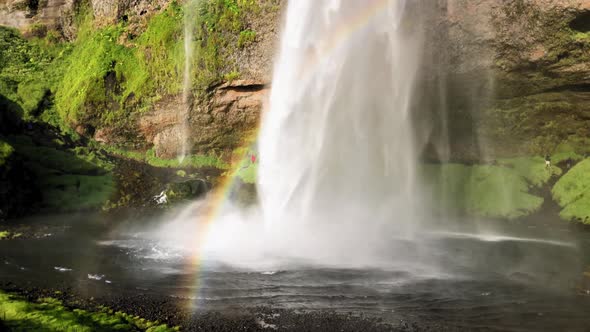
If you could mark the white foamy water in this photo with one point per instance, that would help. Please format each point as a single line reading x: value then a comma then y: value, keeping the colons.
x: 337, y: 155
x: 503, y: 238
x: 61, y: 269
x: 97, y: 277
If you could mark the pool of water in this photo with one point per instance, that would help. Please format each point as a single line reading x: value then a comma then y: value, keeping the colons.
x: 522, y: 278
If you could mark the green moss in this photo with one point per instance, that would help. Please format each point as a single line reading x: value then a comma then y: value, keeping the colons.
x: 48, y: 314
x: 4, y: 235
x: 6, y: 151
x: 77, y: 192
x: 69, y: 180
x: 63, y: 161
x: 29, y: 71
x: 160, y: 50
x: 572, y: 193
x: 246, y: 38
x: 544, y: 123
x: 247, y: 172
x: 190, y: 161
x: 532, y: 169
x: 222, y: 30
x: 481, y: 190
x: 86, y: 89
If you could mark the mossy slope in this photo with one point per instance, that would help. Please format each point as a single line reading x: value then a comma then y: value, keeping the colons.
x: 572, y: 192
x: 496, y: 191
x: 68, y: 179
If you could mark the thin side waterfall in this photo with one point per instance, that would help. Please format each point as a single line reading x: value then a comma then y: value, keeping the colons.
x: 189, y: 27
x: 337, y: 144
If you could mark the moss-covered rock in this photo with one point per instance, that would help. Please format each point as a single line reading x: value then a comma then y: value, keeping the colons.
x: 186, y: 190
x: 572, y: 192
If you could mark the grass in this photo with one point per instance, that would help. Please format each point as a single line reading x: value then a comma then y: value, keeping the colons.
x: 533, y: 169
x: 483, y: 190
x: 149, y: 157
x: 75, y: 161
x: 572, y: 193
x: 84, y: 91
x: 48, y: 314
x: 69, y: 179
x: 247, y: 171
x: 77, y: 192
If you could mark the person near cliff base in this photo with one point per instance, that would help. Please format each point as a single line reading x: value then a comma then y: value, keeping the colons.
x: 253, y: 159
x: 548, y: 161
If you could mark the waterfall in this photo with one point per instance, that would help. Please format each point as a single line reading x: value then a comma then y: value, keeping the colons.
x: 337, y: 144
x: 337, y: 173
x: 189, y: 27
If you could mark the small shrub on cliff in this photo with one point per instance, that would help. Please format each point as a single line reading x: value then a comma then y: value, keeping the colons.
x: 246, y: 38
x: 6, y: 151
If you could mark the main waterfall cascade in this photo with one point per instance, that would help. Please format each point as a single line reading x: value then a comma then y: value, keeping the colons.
x: 336, y: 178
x: 336, y: 146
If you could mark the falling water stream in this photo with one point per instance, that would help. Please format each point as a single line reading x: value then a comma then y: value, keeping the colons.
x: 189, y: 27
x: 337, y: 141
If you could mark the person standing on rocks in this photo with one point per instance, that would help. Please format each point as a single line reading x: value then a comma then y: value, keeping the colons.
x: 548, y: 162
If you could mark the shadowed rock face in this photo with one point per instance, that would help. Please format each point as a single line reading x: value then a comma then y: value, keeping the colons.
x: 510, y: 77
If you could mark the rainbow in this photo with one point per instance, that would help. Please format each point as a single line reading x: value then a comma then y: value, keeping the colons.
x: 219, y: 196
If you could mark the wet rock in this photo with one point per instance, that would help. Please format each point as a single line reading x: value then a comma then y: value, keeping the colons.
x: 189, y: 189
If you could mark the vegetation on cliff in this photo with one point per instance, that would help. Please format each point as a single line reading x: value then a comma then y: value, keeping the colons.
x: 5, y: 151
x: 105, y: 78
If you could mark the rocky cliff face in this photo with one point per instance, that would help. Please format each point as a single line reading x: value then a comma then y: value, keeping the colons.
x: 58, y: 14
x: 229, y: 110
x: 22, y: 14
x: 510, y: 75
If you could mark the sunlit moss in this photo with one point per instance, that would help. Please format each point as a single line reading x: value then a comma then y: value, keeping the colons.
x: 481, y: 190
x: 48, y: 314
x: 149, y: 157
x: 572, y: 192
x: 533, y: 169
